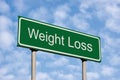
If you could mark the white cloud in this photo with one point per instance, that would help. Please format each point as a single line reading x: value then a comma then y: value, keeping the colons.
x: 81, y: 19
x: 62, y: 76
x: 79, y: 22
x: 61, y: 15
x: 85, y: 5
x: 5, y: 23
x: 66, y: 76
x: 1, y: 58
x: 113, y: 10
x: 61, y: 12
x: 3, y: 71
x: 40, y: 14
x: 110, y: 42
x: 16, y: 66
x: 8, y: 77
x: 108, y: 11
x: 115, y: 60
x: 4, y: 7
x: 58, y: 62
x: 112, y: 23
x: 92, y: 76
x: 105, y: 10
x: 4, y: 74
x: 45, y: 55
x: 108, y: 71
x: 20, y: 6
x: 6, y: 40
x: 74, y: 67
x: 43, y: 76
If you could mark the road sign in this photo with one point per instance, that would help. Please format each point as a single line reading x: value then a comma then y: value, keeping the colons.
x: 51, y: 38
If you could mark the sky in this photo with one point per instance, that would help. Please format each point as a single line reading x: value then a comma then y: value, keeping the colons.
x: 97, y: 17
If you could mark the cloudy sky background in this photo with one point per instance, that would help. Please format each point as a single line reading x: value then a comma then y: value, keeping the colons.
x: 96, y: 17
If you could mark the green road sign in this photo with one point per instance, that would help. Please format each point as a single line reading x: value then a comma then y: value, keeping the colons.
x: 43, y: 36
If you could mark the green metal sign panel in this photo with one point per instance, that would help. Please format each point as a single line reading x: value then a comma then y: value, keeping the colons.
x: 43, y: 36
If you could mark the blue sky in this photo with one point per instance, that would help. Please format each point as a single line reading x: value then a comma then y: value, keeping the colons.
x: 96, y: 17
